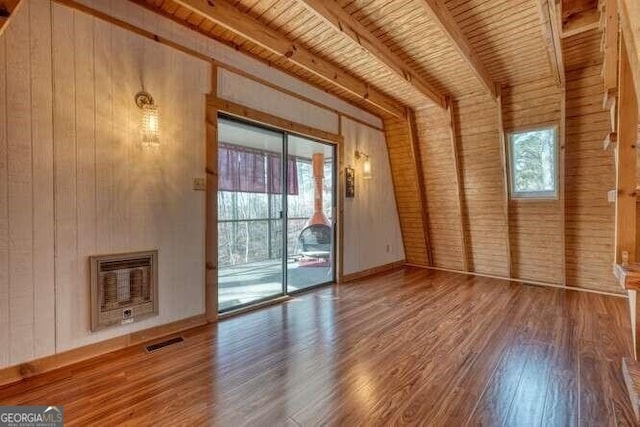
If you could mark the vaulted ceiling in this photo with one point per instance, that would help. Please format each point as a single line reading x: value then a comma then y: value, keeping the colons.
x: 384, y: 55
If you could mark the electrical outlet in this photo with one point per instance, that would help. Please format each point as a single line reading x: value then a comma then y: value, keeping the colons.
x: 199, y: 184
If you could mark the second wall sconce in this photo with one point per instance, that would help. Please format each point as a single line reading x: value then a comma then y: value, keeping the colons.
x: 150, y: 126
x: 366, y: 166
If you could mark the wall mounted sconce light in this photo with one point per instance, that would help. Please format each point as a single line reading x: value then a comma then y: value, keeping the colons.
x: 366, y: 166
x: 150, y: 119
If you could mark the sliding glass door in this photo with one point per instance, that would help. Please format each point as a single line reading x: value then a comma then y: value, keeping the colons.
x: 250, y: 221
x: 310, y: 215
x: 273, y: 239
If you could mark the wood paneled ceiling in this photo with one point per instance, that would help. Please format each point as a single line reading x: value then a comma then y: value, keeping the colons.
x: 505, y: 37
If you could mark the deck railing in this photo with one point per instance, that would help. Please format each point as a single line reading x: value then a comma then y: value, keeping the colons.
x: 243, y: 241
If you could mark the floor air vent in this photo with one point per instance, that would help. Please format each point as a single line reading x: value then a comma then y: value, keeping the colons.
x: 157, y: 346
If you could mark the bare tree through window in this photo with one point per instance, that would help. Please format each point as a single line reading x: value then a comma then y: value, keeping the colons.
x: 533, y: 163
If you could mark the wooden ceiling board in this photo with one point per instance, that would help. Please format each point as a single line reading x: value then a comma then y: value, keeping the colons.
x: 474, y: 10
x: 182, y: 13
x: 195, y: 20
x: 301, y: 26
x: 259, y: 8
x: 358, y: 62
x: 241, y: 44
x: 505, y: 34
x: 289, y: 17
x: 169, y: 6
x: 268, y: 29
x: 407, y: 30
x: 342, y: 22
x: 523, y: 21
x: 501, y: 31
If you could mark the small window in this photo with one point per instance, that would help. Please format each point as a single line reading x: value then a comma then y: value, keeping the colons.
x: 533, y: 164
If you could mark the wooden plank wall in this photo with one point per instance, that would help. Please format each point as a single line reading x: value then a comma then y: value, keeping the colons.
x: 536, y: 226
x: 556, y: 241
x: 405, y: 182
x: 26, y: 183
x: 439, y: 171
x: 590, y: 171
x: 566, y: 241
x: 247, y: 92
x: 69, y: 134
x: 476, y: 128
x: 112, y: 195
x: 372, y: 235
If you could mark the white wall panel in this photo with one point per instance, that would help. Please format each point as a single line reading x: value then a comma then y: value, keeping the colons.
x: 20, y: 188
x: 242, y: 90
x: 112, y: 194
x: 69, y: 134
x: 42, y: 143
x: 132, y: 13
x: 372, y: 234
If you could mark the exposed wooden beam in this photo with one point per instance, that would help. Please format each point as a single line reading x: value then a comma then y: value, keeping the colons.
x: 505, y: 177
x: 579, y: 16
x: 630, y: 25
x: 334, y: 15
x: 466, y: 264
x: 227, y: 16
x: 611, y: 30
x: 625, y: 236
x: 404, y: 175
x: 422, y: 190
x: 551, y: 32
x: 562, y: 187
x: 7, y: 7
x: 438, y: 11
x: 581, y: 25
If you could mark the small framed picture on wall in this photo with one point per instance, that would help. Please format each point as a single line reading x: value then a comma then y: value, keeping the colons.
x: 350, y: 182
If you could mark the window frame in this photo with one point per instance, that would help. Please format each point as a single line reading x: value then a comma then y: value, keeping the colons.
x: 533, y: 195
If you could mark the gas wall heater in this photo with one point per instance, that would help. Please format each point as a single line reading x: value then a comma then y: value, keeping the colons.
x: 124, y: 288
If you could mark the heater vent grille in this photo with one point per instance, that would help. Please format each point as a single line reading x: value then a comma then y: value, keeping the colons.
x: 124, y: 288
x: 155, y: 347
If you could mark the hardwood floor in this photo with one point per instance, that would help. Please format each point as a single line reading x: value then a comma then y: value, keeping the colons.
x: 409, y: 347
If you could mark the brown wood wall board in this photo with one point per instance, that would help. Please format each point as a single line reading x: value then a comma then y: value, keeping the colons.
x: 405, y: 181
x: 439, y: 171
x: 590, y: 171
